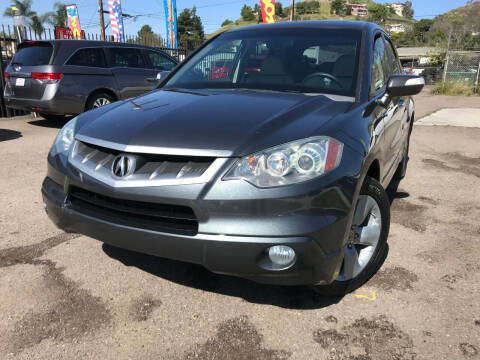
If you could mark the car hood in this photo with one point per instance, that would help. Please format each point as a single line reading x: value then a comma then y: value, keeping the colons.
x: 220, y: 123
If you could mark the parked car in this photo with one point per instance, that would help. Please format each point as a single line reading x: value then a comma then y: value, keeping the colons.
x: 66, y: 77
x: 276, y: 175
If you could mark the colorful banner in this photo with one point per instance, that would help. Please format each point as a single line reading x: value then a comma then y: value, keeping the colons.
x: 73, y: 21
x: 268, y: 11
x: 116, y: 20
x: 171, y: 20
x: 65, y: 33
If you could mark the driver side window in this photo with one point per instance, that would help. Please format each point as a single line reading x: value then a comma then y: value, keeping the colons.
x: 379, y: 76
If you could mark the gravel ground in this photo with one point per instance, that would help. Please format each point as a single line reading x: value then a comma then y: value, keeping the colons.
x: 68, y: 296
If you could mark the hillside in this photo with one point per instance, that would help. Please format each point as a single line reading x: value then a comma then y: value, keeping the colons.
x: 466, y: 17
x: 322, y: 13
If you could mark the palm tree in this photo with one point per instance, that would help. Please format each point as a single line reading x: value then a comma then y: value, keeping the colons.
x: 22, y: 8
x: 37, y: 21
x: 59, y: 15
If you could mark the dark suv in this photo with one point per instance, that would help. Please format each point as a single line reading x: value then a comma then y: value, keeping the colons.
x: 273, y: 169
x: 66, y: 77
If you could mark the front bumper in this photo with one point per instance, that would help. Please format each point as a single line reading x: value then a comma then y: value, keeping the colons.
x: 235, y: 229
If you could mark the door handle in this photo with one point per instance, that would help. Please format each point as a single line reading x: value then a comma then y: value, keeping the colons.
x: 151, y: 79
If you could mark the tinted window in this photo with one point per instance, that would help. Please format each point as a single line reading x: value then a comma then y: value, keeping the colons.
x: 126, y: 57
x: 392, y: 61
x: 160, y: 61
x: 299, y: 60
x: 88, y: 57
x: 31, y: 55
x: 379, y: 77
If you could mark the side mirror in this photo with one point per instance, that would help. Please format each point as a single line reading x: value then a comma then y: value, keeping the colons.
x: 162, y: 75
x: 404, y: 85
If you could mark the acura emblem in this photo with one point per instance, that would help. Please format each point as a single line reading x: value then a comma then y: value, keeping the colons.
x: 123, y: 166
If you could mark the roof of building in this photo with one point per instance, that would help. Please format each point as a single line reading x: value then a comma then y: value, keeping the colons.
x: 408, y: 52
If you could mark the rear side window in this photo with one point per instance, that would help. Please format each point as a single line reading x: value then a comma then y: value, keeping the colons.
x: 379, y: 77
x: 33, y: 54
x: 126, y: 57
x: 160, y: 61
x: 92, y: 57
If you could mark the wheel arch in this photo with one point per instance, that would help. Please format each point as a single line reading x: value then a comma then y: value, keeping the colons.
x: 101, y: 91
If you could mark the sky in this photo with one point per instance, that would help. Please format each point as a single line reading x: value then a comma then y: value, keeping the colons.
x: 212, y: 12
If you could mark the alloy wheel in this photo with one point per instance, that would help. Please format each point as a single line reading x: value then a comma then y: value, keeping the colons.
x: 364, y: 238
x: 100, y: 102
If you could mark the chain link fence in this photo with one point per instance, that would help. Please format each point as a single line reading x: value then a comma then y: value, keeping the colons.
x: 462, y: 66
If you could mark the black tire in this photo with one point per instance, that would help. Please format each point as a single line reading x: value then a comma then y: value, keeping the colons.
x: 337, y: 288
x: 91, y: 103
x: 52, y: 117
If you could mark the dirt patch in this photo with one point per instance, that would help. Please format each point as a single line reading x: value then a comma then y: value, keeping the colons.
x: 468, y: 350
x: 377, y: 338
x: 27, y: 254
x: 409, y: 215
x: 331, y: 319
x: 396, y: 278
x: 466, y: 165
x: 142, y: 308
x: 477, y: 322
x: 236, y: 339
x: 451, y: 278
x: 428, y: 200
x: 75, y: 313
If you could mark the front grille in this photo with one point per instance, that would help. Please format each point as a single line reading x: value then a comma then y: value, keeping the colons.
x: 143, y: 215
x: 151, y: 169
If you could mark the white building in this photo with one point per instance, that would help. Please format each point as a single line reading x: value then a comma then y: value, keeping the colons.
x: 396, y: 28
x: 398, y: 8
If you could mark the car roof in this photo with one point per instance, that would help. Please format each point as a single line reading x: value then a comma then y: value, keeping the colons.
x: 316, y: 24
x: 70, y: 43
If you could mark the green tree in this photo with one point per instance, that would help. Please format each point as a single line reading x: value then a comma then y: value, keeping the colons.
x: 227, y: 22
x: 378, y: 14
x: 190, y: 27
x: 247, y: 13
x: 59, y: 15
x: 408, y: 11
x: 257, y: 11
x: 337, y: 7
x: 23, y: 8
x: 146, y: 36
x: 37, y: 21
x: 278, y: 8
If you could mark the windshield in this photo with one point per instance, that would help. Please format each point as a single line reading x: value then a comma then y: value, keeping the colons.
x: 303, y: 60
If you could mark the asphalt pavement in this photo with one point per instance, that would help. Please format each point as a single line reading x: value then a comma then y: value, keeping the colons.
x: 71, y: 297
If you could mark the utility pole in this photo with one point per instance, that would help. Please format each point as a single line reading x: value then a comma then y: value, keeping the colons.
x: 102, y: 24
x: 292, y: 9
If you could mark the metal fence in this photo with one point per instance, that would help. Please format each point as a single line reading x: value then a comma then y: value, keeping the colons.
x: 10, y: 38
x: 463, y: 66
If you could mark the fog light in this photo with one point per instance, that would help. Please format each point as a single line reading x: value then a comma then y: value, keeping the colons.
x: 281, y: 255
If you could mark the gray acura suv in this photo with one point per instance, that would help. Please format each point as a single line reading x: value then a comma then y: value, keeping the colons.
x: 264, y: 155
x: 67, y: 77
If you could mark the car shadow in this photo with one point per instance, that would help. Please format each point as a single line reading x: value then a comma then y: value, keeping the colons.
x: 54, y: 124
x: 196, y: 276
x: 6, y: 134
x: 393, y: 193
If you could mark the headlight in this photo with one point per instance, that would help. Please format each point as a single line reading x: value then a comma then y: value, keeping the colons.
x: 289, y: 163
x: 64, y: 139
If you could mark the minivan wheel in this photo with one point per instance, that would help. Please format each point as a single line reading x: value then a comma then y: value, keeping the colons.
x: 99, y: 100
x: 367, y: 243
x: 52, y: 117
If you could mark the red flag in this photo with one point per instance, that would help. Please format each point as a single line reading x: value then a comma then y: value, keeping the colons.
x: 268, y: 11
